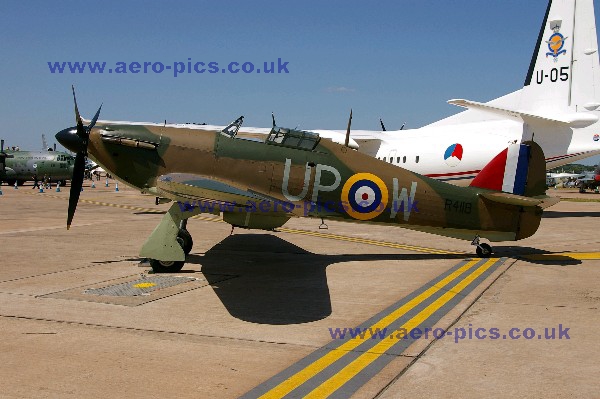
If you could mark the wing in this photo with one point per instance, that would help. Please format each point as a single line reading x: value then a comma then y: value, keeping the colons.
x: 239, y: 207
x: 185, y: 187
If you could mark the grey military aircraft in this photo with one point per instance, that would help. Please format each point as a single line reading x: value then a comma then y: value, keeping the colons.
x: 590, y: 180
x: 21, y: 166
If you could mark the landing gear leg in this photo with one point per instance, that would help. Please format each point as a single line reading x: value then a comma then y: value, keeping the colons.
x: 170, y: 241
x: 483, y: 250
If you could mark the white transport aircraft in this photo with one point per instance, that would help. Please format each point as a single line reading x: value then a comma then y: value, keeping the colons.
x: 558, y: 107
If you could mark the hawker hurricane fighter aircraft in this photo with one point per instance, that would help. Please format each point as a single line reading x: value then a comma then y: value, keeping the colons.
x: 261, y: 184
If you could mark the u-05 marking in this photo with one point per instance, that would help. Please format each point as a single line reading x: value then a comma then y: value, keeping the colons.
x: 343, y: 366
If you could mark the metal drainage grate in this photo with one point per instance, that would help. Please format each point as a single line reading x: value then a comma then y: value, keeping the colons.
x: 142, y: 286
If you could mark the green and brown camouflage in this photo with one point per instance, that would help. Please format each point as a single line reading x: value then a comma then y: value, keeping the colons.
x: 293, y: 173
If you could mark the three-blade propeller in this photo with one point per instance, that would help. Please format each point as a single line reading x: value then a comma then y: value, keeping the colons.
x: 83, y: 133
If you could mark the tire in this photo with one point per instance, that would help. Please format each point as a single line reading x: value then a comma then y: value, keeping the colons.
x: 184, y: 238
x: 159, y: 266
x: 484, y: 250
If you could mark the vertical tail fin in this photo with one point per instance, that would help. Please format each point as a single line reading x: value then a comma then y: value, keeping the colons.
x: 519, y: 169
x: 564, y: 72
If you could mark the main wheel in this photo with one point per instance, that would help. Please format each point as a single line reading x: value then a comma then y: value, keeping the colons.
x: 184, y: 238
x: 484, y: 250
x: 161, y: 266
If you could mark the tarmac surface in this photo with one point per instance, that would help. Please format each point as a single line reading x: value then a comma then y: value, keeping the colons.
x: 259, y: 314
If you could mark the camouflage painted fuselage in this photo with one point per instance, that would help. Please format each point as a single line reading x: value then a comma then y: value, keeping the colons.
x: 335, y: 181
x: 25, y: 164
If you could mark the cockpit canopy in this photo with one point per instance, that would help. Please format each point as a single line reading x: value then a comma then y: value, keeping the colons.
x: 293, y: 138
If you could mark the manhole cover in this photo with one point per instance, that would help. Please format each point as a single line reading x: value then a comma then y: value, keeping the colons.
x: 142, y: 286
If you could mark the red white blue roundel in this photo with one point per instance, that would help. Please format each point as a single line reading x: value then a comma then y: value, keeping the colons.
x: 453, y: 154
x: 365, y: 196
x: 596, y: 137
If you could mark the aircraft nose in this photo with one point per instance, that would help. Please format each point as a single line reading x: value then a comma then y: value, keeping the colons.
x: 69, y: 139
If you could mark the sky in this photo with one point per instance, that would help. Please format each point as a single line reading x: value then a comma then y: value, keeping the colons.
x: 398, y: 60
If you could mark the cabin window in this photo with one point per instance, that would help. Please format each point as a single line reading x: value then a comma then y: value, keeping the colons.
x: 384, y: 159
x: 404, y: 159
x: 398, y: 160
x: 417, y: 159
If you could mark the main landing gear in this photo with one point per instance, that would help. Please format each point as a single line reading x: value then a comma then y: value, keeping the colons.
x: 483, y: 250
x: 184, y: 239
x: 170, y: 242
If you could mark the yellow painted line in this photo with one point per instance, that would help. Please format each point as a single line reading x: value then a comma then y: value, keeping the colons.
x: 564, y: 256
x: 371, y: 242
x: 580, y: 199
x: 329, y: 358
x: 334, y: 383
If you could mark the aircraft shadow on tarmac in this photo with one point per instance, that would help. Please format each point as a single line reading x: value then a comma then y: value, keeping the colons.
x: 535, y: 255
x: 277, y: 282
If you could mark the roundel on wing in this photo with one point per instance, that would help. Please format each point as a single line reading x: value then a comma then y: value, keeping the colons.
x: 453, y: 154
x: 366, y: 196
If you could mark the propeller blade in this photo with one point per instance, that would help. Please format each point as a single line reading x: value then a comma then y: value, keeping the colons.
x: 348, y: 130
x: 77, y: 116
x: 80, y: 129
x: 76, y: 184
x: 94, y: 119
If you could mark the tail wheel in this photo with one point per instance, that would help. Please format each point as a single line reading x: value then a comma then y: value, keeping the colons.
x: 484, y: 250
